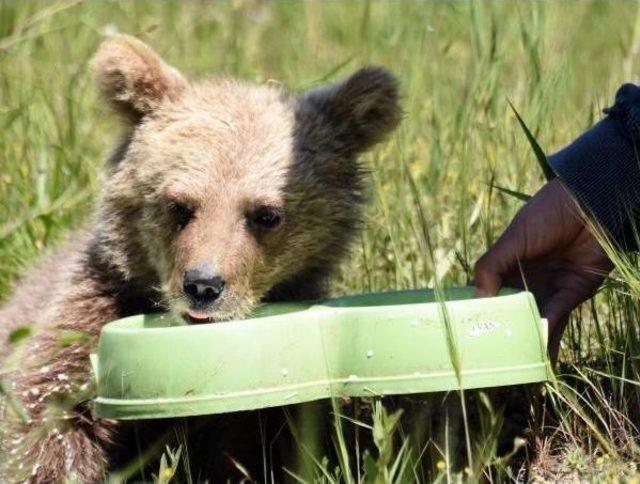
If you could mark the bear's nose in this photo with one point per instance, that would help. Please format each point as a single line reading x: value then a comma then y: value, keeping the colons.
x: 202, y: 284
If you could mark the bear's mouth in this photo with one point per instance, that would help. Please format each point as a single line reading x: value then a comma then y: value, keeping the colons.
x: 196, y: 317
x: 211, y: 314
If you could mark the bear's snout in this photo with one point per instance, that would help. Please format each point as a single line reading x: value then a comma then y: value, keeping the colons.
x: 202, y: 285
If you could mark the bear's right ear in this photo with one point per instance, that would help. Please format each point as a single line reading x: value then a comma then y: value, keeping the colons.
x: 133, y: 78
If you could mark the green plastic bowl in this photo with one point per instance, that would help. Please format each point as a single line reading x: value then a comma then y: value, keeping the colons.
x: 366, y: 345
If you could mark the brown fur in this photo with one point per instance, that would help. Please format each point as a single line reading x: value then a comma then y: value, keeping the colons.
x: 223, y: 148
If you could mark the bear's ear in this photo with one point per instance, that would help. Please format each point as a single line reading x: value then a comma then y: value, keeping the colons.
x: 354, y: 114
x: 133, y: 78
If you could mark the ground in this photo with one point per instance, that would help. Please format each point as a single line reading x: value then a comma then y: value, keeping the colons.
x: 459, y: 63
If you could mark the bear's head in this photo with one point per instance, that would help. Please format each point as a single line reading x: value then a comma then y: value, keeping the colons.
x: 226, y: 193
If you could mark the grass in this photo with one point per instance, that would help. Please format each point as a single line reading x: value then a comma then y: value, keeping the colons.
x: 460, y: 64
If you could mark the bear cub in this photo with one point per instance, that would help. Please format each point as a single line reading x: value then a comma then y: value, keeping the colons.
x: 222, y: 194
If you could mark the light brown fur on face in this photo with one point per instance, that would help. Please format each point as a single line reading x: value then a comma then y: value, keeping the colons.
x: 201, y: 167
x: 224, y: 151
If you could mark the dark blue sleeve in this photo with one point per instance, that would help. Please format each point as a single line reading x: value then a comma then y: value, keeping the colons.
x: 602, y: 168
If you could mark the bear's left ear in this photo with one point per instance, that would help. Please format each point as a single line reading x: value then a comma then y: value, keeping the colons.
x: 133, y: 78
x: 353, y: 115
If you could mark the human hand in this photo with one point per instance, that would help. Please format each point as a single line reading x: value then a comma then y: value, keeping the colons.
x: 548, y: 249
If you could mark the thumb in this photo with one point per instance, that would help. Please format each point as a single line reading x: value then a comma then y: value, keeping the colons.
x: 555, y: 337
x: 557, y: 311
x: 563, y: 301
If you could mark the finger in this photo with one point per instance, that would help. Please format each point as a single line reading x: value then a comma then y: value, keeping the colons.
x: 487, y: 281
x: 555, y: 337
x: 560, y: 305
x: 500, y: 260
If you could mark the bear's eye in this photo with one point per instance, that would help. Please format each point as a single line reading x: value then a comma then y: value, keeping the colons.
x: 182, y: 213
x: 264, y: 218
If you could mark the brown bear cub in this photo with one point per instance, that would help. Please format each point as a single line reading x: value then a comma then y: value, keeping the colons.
x: 221, y: 195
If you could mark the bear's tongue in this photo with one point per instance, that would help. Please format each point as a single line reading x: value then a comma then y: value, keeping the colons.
x: 198, y: 315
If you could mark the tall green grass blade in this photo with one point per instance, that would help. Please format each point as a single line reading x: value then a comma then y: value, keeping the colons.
x: 442, y: 308
x: 548, y: 172
x: 523, y: 197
